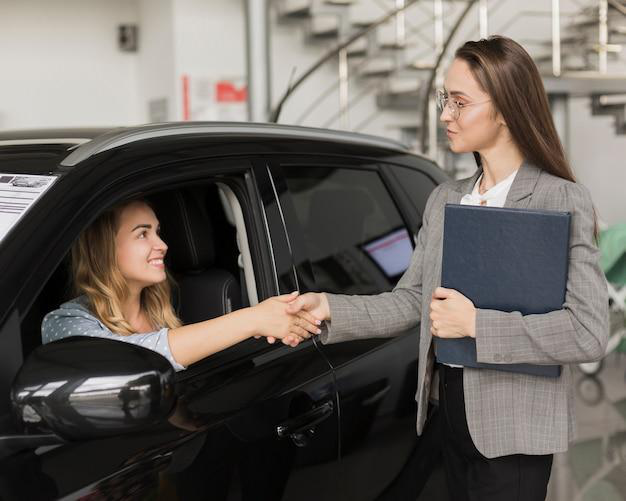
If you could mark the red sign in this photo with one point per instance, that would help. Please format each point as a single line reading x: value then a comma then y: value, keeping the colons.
x: 226, y: 92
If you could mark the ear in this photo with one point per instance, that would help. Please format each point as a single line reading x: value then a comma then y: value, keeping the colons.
x: 500, y: 120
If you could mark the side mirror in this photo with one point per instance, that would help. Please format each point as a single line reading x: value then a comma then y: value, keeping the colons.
x: 83, y: 387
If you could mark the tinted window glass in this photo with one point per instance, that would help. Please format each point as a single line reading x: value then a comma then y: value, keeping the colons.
x: 355, y: 237
x: 417, y: 185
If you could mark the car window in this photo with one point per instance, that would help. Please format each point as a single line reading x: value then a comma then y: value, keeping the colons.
x: 417, y: 185
x: 355, y: 237
x: 203, y: 258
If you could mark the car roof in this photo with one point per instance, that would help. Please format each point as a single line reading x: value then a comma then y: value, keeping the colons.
x: 217, y: 130
x: 71, y: 146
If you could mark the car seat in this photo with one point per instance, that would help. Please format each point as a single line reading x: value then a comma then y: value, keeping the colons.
x: 203, y: 291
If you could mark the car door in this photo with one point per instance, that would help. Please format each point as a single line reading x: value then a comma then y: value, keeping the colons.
x: 354, y: 238
x: 253, y: 422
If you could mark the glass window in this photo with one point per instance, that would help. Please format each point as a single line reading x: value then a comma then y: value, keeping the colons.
x: 355, y: 237
x: 417, y: 185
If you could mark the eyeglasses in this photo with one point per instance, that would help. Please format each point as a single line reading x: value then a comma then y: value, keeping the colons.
x: 455, y: 107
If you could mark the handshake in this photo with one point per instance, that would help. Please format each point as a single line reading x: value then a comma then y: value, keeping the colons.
x: 291, y: 318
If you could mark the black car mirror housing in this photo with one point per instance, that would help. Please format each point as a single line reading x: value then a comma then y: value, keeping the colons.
x: 83, y: 388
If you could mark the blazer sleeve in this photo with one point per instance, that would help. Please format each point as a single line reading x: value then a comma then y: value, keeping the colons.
x: 578, y: 332
x: 386, y: 314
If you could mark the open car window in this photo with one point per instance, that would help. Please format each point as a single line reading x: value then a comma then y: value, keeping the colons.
x: 208, y: 256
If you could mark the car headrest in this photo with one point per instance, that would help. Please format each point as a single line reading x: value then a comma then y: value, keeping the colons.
x: 186, y: 229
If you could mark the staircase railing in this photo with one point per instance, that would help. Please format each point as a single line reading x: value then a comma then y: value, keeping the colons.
x: 408, y: 37
x: 427, y: 126
x: 334, y: 52
x: 433, y: 75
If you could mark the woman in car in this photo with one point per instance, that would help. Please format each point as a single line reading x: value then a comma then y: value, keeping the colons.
x: 499, y: 429
x: 118, y: 267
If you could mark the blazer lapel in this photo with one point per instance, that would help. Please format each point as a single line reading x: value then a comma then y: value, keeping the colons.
x: 520, y: 193
x: 463, y: 187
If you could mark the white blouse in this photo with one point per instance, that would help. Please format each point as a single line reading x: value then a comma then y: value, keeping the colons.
x: 493, y: 197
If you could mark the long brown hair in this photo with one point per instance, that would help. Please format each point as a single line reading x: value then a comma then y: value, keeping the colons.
x: 508, y: 74
x: 96, y: 274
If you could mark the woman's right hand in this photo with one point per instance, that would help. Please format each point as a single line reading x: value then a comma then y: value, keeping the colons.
x: 311, y: 303
x: 315, y: 303
x: 272, y: 319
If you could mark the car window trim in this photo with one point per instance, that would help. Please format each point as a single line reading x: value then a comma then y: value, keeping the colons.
x: 219, y: 175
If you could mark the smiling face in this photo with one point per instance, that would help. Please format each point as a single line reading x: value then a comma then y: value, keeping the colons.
x: 478, y: 127
x: 139, y: 249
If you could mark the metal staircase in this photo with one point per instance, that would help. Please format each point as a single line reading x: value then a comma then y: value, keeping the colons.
x: 384, y: 57
x: 611, y: 104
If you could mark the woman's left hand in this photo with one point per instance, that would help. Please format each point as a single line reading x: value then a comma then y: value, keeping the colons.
x: 452, y: 315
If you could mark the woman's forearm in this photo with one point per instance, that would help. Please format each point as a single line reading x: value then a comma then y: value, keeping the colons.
x: 360, y: 317
x: 270, y: 318
x: 194, y: 342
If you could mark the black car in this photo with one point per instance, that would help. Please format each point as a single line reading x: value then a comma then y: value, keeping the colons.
x: 248, y: 211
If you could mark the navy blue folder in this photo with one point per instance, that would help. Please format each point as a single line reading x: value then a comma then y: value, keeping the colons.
x: 508, y: 260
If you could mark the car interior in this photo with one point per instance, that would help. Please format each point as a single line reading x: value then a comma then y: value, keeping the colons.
x: 208, y: 257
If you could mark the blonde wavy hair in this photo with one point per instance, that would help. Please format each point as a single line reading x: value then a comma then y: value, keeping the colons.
x: 96, y: 274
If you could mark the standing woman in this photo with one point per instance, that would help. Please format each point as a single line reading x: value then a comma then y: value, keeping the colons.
x: 499, y: 429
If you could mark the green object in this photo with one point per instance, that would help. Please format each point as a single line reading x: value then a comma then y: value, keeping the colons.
x: 612, y: 246
x: 620, y: 406
x: 585, y: 458
x: 603, y: 490
x: 621, y: 347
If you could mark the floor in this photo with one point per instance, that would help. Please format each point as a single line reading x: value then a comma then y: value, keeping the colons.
x: 594, y: 467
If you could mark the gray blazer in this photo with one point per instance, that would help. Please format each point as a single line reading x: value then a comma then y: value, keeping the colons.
x: 506, y: 413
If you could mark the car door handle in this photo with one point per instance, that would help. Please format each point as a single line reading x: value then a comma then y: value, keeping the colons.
x: 306, y: 421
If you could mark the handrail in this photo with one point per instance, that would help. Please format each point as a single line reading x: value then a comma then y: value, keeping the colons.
x: 416, y: 30
x: 433, y: 74
x: 327, y: 92
x: 332, y: 53
x: 618, y: 6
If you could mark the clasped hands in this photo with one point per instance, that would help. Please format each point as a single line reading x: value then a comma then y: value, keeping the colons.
x: 293, y: 318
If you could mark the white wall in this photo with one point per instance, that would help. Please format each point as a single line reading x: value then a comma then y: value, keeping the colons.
x: 61, y: 65
x: 598, y: 158
x: 209, y: 44
x: 155, y: 58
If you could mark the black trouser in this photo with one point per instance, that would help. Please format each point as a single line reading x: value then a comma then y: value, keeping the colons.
x: 470, y: 475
